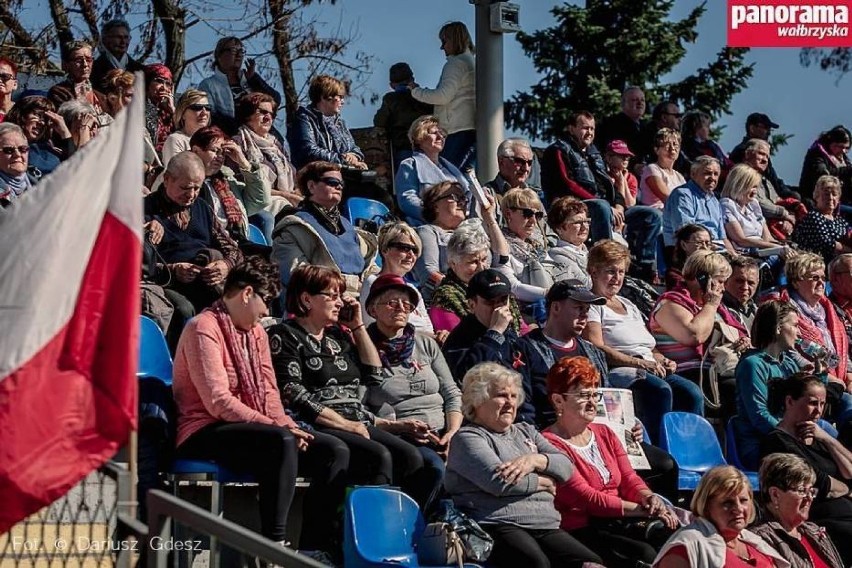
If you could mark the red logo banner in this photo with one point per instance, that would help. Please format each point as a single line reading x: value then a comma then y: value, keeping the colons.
x: 789, y: 23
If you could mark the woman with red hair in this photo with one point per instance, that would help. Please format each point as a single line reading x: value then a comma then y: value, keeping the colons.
x: 600, y: 501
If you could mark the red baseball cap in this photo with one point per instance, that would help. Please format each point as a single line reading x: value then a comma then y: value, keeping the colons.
x: 619, y: 147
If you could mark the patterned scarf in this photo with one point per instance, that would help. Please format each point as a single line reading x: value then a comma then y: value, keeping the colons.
x: 328, y: 218
x: 525, y: 250
x: 229, y: 202
x: 250, y: 388
x: 267, y: 150
x: 394, y: 351
x: 451, y: 295
x: 818, y: 316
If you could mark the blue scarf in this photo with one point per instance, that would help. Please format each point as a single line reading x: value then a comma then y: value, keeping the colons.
x: 18, y: 184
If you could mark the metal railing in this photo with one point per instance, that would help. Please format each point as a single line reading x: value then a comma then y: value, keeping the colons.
x: 164, y: 510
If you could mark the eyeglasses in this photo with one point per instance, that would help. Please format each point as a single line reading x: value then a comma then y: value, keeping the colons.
x: 437, y: 132
x: 580, y: 222
x: 6, y: 77
x: 399, y: 304
x: 702, y: 244
x: 520, y: 161
x: 332, y: 182
x: 234, y: 50
x: 805, y: 492
x: 264, y: 112
x: 815, y: 278
x: 80, y: 61
x: 403, y: 247
x: 585, y: 396
x: 528, y: 213
x: 333, y: 296
x: 9, y: 150
x: 455, y: 198
x: 199, y: 107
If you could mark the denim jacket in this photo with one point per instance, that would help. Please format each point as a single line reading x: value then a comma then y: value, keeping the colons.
x: 313, y: 137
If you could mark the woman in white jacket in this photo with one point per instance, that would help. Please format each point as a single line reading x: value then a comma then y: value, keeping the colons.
x: 454, y: 97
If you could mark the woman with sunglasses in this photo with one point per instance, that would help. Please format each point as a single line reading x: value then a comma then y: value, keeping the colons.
x: 416, y: 383
x: 192, y: 113
x: 399, y: 249
x: 424, y: 169
x: 8, y: 85
x: 787, y: 491
x: 323, y: 359
x: 318, y: 234
x: 47, y: 134
x: 529, y: 260
x: 230, y: 81
x: 603, y: 496
x: 16, y: 176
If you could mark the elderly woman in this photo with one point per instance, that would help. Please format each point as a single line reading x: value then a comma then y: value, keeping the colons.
x: 424, y: 169
x: 16, y: 176
x: 684, y: 318
x: 455, y: 95
x: 505, y: 475
x: 322, y: 369
x: 745, y: 225
x: 445, y: 206
x: 618, y: 329
x: 823, y: 230
x: 159, y: 104
x: 230, y: 81
x: 319, y: 235
x: 659, y: 178
x: 192, y: 113
x: 528, y: 258
x: 688, y: 239
x: 827, y: 156
x: 416, y: 383
x: 604, y: 485
x: 775, y: 331
x: 717, y: 538
x: 800, y: 401
x: 569, y: 219
x: 8, y: 84
x: 399, y: 249
x: 229, y: 409
x: 787, y: 490
x: 232, y: 199
x: 319, y: 133
x: 48, y: 136
x: 82, y: 121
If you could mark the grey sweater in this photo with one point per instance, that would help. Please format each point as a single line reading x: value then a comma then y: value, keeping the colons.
x: 425, y: 392
x: 478, y: 491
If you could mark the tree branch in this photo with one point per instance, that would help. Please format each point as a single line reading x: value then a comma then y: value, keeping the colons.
x: 88, y: 10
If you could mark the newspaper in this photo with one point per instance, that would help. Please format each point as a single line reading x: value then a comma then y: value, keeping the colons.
x: 616, y: 411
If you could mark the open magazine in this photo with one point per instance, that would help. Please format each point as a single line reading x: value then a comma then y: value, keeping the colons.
x: 616, y: 411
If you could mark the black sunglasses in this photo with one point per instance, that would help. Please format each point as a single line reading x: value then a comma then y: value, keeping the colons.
x: 527, y: 212
x: 332, y: 182
x: 403, y: 247
x: 5, y: 77
x: 9, y: 150
x: 521, y: 162
x: 455, y: 197
x: 199, y: 107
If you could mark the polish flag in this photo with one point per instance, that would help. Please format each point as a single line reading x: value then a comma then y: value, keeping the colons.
x: 70, y: 263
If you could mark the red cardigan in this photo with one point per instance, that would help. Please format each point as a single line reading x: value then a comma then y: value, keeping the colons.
x: 585, y: 495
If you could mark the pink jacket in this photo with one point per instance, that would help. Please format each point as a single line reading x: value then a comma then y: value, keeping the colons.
x: 205, y: 380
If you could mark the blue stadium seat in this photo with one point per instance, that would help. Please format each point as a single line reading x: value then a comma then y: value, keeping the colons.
x: 154, y: 358
x: 734, y: 458
x: 381, y: 527
x: 828, y: 427
x: 367, y: 209
x: 256, y: 236
x: 692, y: 442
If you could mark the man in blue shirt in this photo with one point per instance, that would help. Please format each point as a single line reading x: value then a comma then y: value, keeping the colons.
x: 695, y: 203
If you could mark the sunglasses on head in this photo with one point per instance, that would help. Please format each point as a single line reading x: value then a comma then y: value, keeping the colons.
x: 199, y: 107
x: 9, y: 150
x: 5, y: 77
x: 403, y: 247
x: 528, y: 213
x: 332, y: 182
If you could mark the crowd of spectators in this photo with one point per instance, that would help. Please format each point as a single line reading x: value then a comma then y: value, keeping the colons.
x: 459, y: 351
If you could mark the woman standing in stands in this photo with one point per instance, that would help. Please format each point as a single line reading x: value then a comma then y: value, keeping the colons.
x: 455, y: 96
x: 322, y: 368
x: 229, y: 410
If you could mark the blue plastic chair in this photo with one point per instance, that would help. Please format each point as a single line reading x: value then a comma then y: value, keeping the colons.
x: 692, y: 442
x: 734, y: 457
x: 155, y: 361
x: 256, y: 236
x: 367, y: 209
x: 381, y: 528
x: 828, y: 427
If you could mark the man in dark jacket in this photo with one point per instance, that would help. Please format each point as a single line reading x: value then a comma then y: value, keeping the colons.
x: 115, y: 41
x: 399, y: 109
x: 628, y: 124
x: 485, y: 334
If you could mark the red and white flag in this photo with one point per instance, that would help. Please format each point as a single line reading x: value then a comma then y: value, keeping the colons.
x: 70, y: 263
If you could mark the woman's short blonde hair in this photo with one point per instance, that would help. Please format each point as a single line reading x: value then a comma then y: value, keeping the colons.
x: 665, y: 135
x: 827, y: 183
x: 393, y: 232
x: 480, y: 383
x: 797, y: 267
x: 784, y: 471
x: 706, y: 263
x: 520, y: 198
x: 456, y: 38
x: 607, y: 252
x: 720, y: 482
x: 741, y: 179
x: 189, y: 97
x: 420, y: 127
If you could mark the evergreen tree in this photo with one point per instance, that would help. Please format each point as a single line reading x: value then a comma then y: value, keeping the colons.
x: 594, y: 52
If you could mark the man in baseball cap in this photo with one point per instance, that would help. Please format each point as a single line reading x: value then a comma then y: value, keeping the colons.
x: 486, y: 333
